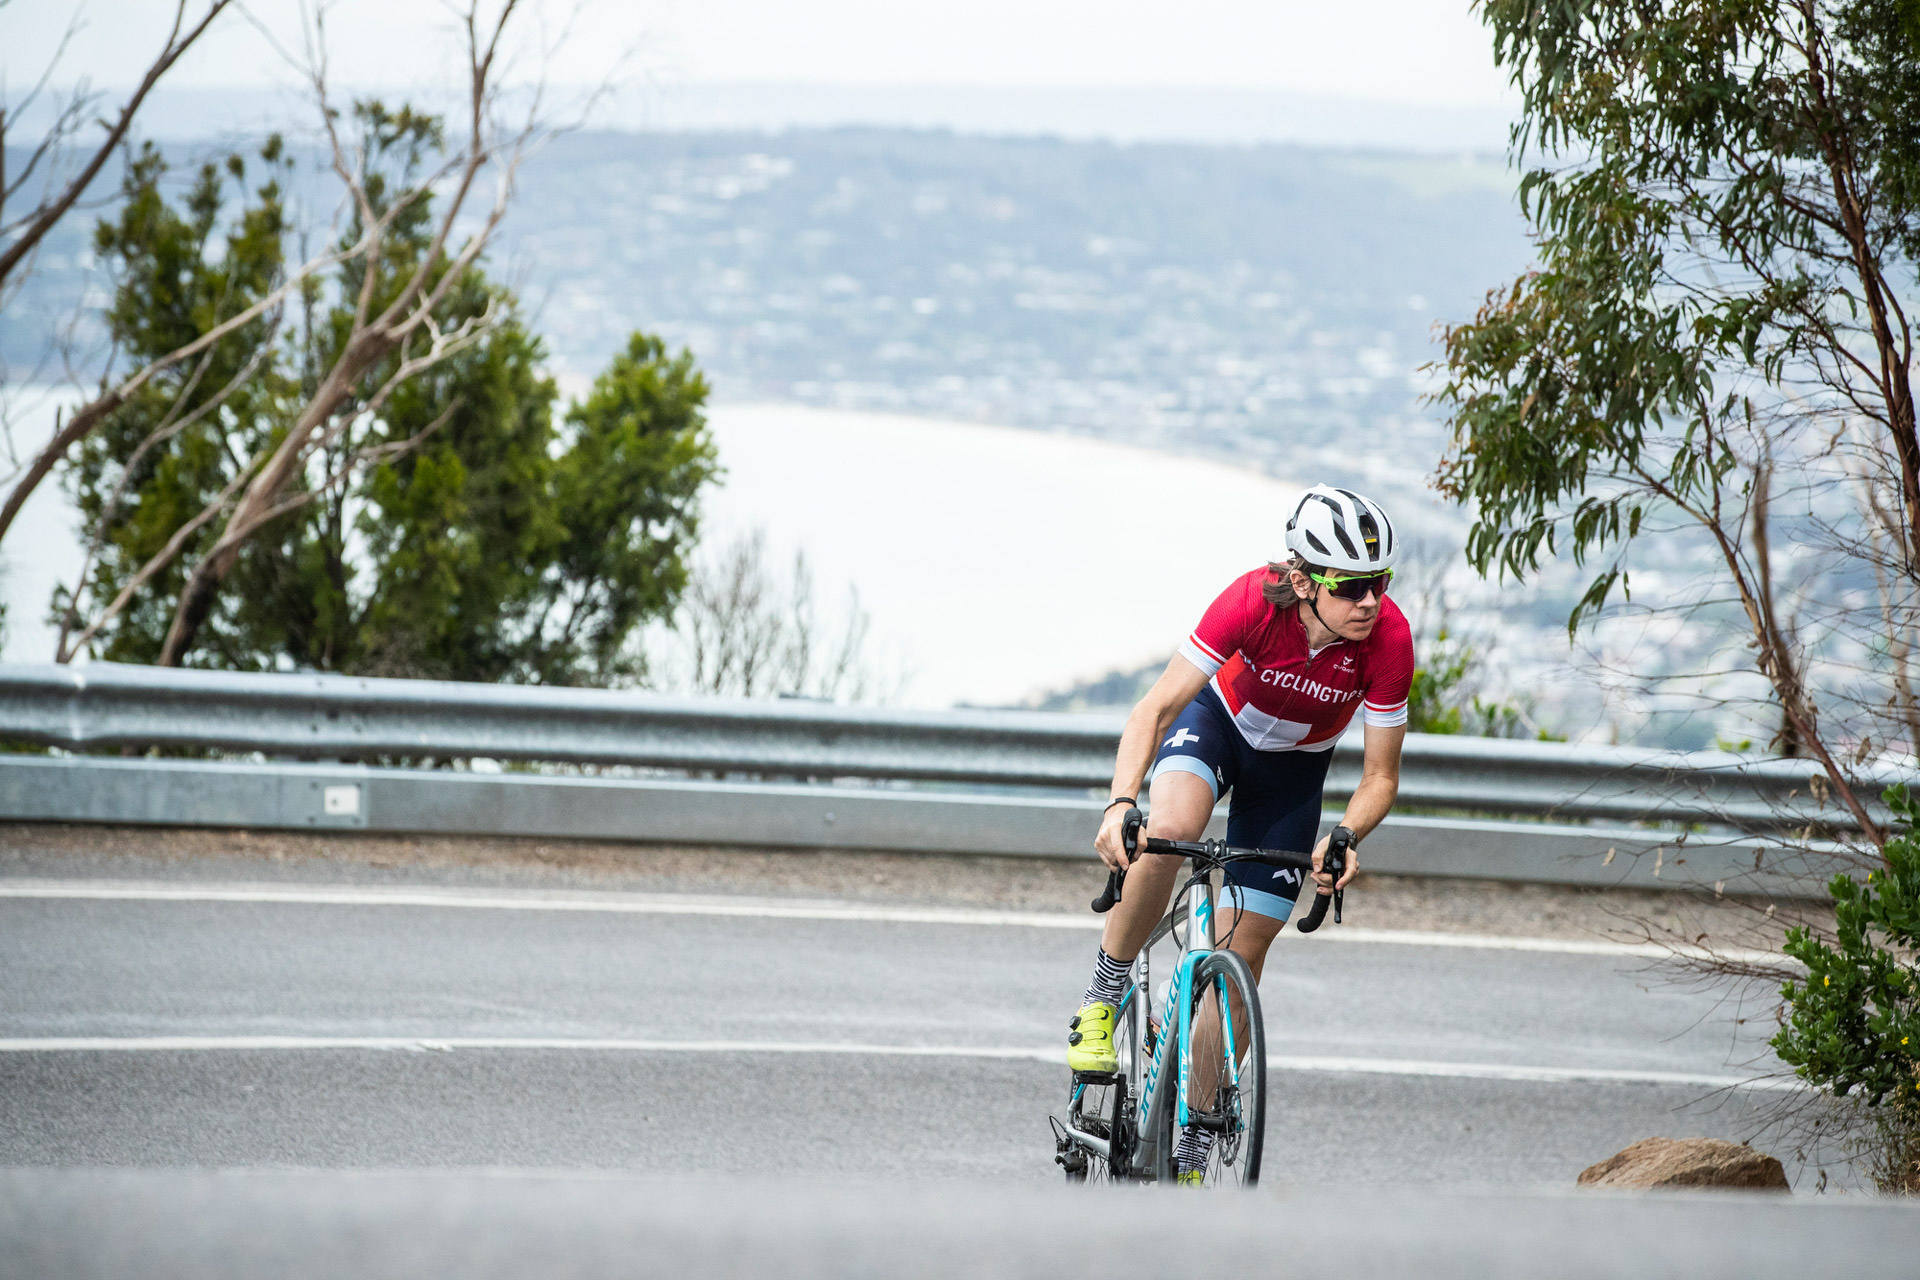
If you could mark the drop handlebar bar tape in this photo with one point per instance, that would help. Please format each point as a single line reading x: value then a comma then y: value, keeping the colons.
x: 1316, y: 913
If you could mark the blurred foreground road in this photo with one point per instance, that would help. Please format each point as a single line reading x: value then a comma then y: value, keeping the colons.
x: 207, y: 1023
x: 82, y: 1224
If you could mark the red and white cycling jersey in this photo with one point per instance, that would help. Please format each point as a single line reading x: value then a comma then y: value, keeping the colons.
x: 1284, y: 697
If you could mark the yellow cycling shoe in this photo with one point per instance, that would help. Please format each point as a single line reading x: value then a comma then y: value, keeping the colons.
x: 1191, y: 1178
x: 1090, y: 1047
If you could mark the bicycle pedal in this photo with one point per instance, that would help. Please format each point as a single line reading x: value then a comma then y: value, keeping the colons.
x: 1095, y: 1077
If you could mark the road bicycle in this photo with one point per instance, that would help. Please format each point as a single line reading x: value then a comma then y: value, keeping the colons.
x: 1124, y: 1125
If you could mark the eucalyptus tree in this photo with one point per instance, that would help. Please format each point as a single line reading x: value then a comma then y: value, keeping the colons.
x: 1713, y: 356
x: 1707, y: 379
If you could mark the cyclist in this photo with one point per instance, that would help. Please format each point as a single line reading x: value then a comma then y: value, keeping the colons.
x: 1252, y: 703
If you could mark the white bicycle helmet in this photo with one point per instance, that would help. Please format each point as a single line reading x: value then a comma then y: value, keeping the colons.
x: 1338, y: 529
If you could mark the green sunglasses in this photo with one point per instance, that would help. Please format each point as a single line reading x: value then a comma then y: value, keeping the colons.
x: 1354, y: 587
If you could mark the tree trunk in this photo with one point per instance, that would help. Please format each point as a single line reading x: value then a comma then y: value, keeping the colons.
x: 198, y: 597
x: 1907, y: 448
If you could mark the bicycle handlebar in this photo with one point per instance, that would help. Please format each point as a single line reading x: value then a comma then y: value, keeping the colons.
x: 1219, y: 853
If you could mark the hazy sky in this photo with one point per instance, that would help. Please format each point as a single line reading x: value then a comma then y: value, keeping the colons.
x: 1409, y: 51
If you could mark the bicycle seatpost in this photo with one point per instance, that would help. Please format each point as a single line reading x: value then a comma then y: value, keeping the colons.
x: 1335, y: 865
x: 1130, y: 827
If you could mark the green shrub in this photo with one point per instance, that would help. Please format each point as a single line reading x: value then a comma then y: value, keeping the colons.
x: 1853, y: 1023
x: 1441, y: 698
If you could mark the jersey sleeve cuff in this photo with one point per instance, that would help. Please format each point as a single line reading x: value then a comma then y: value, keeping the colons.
x: 1200, y: 656
x: 1384, y: 717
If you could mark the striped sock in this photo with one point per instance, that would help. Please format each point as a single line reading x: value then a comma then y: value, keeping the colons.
x: 1109, y: 980
x: 1191, y: 1152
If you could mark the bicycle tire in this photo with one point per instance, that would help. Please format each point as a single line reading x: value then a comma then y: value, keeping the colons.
x: 1237, y: 1148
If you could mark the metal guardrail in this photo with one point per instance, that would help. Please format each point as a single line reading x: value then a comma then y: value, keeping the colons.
x: 103, y: 706
x: 249, y: 795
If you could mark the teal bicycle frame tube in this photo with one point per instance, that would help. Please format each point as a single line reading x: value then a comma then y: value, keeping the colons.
x: 1199, y: 947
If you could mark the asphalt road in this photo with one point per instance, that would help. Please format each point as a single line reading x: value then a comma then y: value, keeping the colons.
x: 82, y: 1224
x: 380, y: 1028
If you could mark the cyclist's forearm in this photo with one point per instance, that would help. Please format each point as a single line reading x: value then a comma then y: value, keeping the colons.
x: 1372, y: 801
x: 1137, y: 741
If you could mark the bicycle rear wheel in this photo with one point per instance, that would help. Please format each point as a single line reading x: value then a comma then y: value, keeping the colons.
x: 1106, y: 1110
x: 1226, y: 1092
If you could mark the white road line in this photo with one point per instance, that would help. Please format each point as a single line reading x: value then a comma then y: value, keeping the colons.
x: 418, y: 1044
x: 1557, y: 946
x: 620, y: 904
x: 1503, y: 1071
x: 1057, y: 1057
x: 671, y: 905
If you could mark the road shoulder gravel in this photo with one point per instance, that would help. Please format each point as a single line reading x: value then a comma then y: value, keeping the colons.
x: 70, y: 851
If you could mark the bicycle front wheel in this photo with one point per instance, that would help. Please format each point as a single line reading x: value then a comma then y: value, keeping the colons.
x: 1226, y: 1084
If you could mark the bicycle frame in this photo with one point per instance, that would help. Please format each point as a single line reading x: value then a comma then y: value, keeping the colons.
x: 1135, y: 1016
x: 1144, y: 1072
x: 1199, y: 912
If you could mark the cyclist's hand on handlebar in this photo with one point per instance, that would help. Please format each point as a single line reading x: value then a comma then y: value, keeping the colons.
x: 1325, y: 881
x: 1109, y: 843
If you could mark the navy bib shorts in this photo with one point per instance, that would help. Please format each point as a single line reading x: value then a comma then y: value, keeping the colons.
x: 1275, y: 799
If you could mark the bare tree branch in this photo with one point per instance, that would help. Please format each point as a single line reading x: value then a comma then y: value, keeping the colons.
x: 158, y: 561
x: 237, y: 534
x: 170, y: 426
x: 743, y: 631
x: 373, y: 338
x: 49, y: 212
x: 89, y: 415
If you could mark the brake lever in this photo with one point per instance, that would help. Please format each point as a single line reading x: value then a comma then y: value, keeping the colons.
x: 1335, y: 865
x: 1130, y: 827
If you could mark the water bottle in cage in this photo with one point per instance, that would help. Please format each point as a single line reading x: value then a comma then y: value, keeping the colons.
x: 1157, y: 1008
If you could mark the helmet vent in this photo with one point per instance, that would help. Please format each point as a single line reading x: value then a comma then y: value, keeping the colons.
x: 1370, y: 534
x: 1342, y: 530
x: 1339, y: 526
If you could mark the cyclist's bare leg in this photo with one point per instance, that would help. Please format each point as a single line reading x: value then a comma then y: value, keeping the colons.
x: 1252, y: 935
x: 1249, y: 937
x: 1182, y: 803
